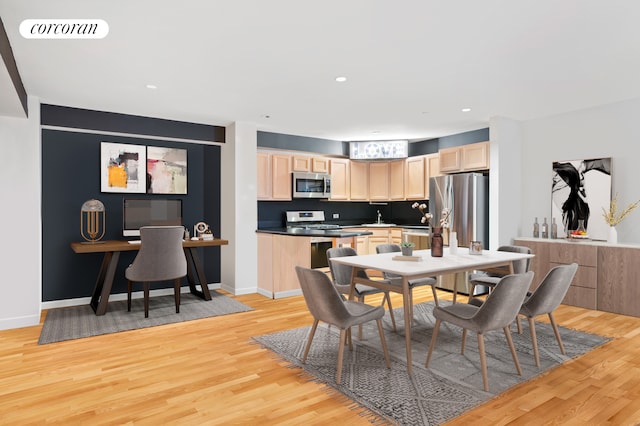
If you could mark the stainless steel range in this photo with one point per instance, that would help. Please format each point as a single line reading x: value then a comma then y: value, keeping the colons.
x: 306, y: 222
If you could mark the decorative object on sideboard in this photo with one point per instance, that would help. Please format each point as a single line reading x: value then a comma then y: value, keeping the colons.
x: 425, y: 216
x: 407, y: 248
x: 613, y: 217
x: 436, y: 242
x: 92, y: 221
x: 199, y: 229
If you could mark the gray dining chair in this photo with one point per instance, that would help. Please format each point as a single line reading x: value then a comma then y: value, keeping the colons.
x: 544, y: 300
x: 394, y: 278
x: 161, y: 258
x: 341, y: 277
x: 499, y: 310
x: 490, y: 279
x: 327, y: 305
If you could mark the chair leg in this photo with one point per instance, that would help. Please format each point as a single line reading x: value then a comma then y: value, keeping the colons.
x: 556, y: 332
x: 308, y: 346
x: 361, y: 299
x: 385, y: 350
x: 464, y: 340
x: 434, y: 336
x: 507, y: 334
x: 534, y: 341
x: 129, y: 288
x: 343, y: 337
x: 519, y: 325
x: 393, y: 319
x: 435, y: 295
x: 146, y: 299
x: 349, y: 339
x: 471, y: 290
x: 483, y: 362
x: 176, y: 294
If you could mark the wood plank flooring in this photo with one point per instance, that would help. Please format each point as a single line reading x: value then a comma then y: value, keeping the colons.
x: 208, y: 372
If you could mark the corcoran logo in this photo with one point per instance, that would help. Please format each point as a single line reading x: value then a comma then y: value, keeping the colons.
x: 64, y: 28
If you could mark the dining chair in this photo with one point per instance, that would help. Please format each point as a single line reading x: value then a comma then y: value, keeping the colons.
x: 327, y: 305
x: 544, y: 300
x: 499, y: 310
x: 394, y: 278
x: 341, y: 277
x: 160, y: 258
x: 490, y: 279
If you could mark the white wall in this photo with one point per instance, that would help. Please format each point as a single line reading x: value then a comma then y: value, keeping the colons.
x: 20, y: 263
x: 239, y: 215
x: 605, y: 131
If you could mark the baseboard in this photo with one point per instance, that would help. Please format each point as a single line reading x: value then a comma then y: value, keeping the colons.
x: 20, y: 322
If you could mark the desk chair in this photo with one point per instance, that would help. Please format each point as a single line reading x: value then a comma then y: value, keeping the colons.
x: 161, y: 258
x: 327, y: 305
x: 499, y: 310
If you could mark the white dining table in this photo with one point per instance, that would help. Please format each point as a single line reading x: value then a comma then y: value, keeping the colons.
x: 426, y: 266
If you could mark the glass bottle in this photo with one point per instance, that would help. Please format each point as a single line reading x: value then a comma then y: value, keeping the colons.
x: 536, y: 228
x: 581, y: 229
x: 554, y: 228
x: 436, y: 242
x: 545, y: 229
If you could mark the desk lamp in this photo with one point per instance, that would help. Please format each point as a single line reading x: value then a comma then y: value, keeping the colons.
x: 91, y: 214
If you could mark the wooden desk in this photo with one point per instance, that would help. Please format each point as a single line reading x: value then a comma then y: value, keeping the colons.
x: 112, y: 250
x: 429, y: 266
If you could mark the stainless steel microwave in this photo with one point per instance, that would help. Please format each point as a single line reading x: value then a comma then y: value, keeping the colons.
x: 311, y: 185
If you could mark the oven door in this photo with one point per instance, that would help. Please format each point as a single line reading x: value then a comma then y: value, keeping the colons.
x: 319, y: 247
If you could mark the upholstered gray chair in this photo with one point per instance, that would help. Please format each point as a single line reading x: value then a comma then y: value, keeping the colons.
x: 490, y: 279
x: 341, y: 277
x: 430, y: 281
x: 327, y: 305
x: 161, y: 258
x: 545, y: 299
x: 499, y: 310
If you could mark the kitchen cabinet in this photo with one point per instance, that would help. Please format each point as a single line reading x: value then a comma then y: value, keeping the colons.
x: 359, y: 180
x: 379, y: 181
x: 273, y: 176
x: 340, y: 179
x: 396, y: 180
x: 464, y: 158
x: 418, y: 170
x: 277, y: 256
x: 307, y: 163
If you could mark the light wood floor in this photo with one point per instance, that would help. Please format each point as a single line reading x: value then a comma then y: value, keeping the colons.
x: 208, y: 372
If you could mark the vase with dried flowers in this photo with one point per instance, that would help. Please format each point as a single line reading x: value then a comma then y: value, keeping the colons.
x: 613, y: 217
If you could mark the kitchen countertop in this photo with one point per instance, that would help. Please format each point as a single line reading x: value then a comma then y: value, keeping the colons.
x: 298, y: 232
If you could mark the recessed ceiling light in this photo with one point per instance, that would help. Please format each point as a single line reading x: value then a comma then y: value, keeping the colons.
x: 341, y: 79
x: 151, y: 86
x: 266, y: 116
x: 466, y: 109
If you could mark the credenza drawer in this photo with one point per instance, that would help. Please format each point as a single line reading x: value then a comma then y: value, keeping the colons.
x: 584, y: 255
x: 586, y: 276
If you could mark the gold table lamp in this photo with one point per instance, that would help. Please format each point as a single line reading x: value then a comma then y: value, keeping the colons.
x: 92, y: 221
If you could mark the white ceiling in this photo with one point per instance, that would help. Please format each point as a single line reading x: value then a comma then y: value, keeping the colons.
x: 411, y: 65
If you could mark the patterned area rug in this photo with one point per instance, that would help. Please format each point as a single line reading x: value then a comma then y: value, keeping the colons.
x: 452, y: 384
x: 75, y: 322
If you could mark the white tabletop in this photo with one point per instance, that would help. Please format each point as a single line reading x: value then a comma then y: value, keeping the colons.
x: 428, y: 265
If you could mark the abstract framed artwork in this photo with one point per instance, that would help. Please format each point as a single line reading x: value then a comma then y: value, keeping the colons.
x: 122, y: 167
x: 580, y: 189
x: 166, y: 170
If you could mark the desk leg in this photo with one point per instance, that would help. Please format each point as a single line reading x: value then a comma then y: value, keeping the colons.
x: 100, y: 297
x: 406, y: 300
x: 194, y: 262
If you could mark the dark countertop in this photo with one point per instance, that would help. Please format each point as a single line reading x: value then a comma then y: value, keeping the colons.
x: 330, y: 233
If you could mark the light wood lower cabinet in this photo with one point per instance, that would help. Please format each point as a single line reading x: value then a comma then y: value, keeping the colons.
x: 607, y: 275
x: 277, y: 257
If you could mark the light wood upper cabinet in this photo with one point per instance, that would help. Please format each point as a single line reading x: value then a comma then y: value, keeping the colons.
x: 415, y: 172
x: 301, y: 163
x: 432, y: 163
x: 281, y: 177
x: 340, y: 179
x: 379, y: 181
x: 396, y: 180
x: 463, y: 158
x: 264, y: 176
x: 359, y: 179
x: 319, y: 165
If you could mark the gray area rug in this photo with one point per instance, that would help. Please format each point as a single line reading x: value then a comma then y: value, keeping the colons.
x: 80, y: 321
x: 450, y: 386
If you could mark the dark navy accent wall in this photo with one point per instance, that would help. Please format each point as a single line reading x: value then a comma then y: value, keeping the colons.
x: 71, y: 175
x: 432, y: 146
x: 302, y: 143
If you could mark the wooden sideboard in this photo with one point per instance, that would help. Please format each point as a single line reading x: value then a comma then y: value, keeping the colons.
x: 607, y: 273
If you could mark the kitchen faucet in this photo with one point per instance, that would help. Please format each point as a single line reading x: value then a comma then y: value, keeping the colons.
x: 379, y: 217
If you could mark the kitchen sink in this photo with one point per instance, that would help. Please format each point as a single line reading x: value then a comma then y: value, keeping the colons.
x: 378, y: 225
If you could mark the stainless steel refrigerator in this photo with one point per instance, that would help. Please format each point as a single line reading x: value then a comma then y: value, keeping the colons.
x: 466, y: 197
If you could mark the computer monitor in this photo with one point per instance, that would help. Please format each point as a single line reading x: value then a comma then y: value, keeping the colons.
x: 149, y: 212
